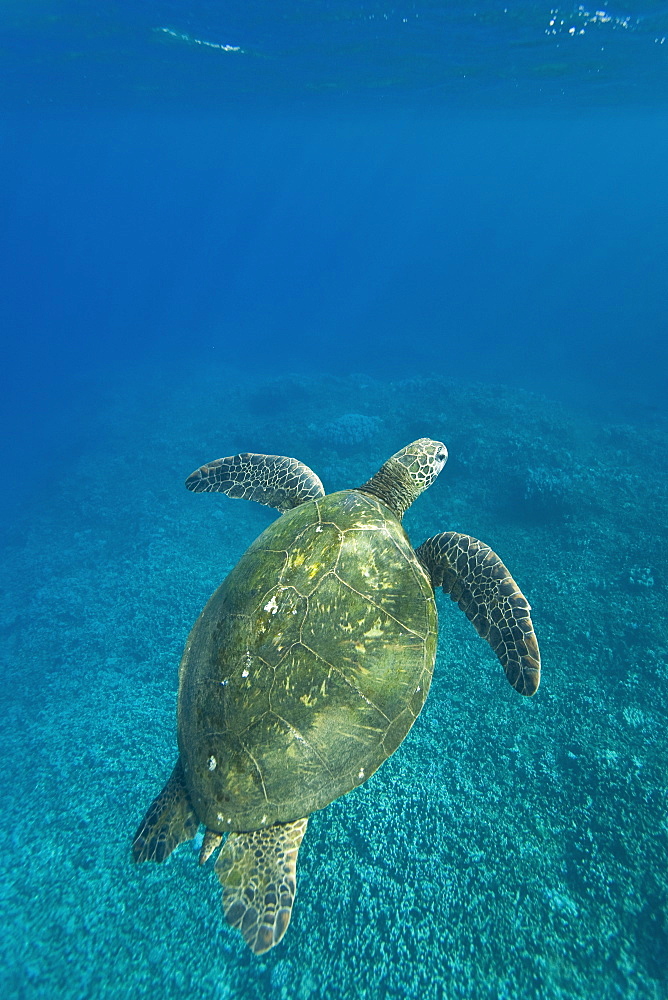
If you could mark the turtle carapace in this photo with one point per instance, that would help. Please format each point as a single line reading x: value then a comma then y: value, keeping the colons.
x: 309, y: 665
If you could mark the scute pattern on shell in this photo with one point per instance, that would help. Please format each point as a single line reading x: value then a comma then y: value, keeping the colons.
x: 308, y: 666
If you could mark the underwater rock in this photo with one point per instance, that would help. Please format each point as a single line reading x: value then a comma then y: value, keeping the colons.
x: 348, y: 429
x: 641, y: 577
x: 546, y: 492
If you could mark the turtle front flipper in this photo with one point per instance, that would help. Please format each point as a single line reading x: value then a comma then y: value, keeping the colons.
x: 475, y: 577
x: 273, y: 480
x: 169, y: 821
x: 258, y: 872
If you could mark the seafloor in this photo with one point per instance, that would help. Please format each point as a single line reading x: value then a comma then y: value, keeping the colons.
x: 511, y: 848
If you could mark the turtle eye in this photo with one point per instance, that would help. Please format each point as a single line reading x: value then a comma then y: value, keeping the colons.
x: 441, y: 456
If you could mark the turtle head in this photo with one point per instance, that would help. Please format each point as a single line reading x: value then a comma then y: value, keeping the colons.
x: 407, y: 474
x: 424, y: 459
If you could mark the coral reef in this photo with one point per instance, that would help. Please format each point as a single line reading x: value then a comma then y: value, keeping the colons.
x: 546, y: 492
x: 347, y: 430
x: 509, y: 849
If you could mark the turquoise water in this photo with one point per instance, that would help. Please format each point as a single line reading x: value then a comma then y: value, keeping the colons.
x: 324, y: 230
x: 509, y: 848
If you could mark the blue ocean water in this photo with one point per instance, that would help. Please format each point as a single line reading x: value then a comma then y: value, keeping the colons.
x: 323, y: 230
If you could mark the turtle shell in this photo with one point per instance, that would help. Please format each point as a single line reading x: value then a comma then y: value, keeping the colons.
x: 308, y: 665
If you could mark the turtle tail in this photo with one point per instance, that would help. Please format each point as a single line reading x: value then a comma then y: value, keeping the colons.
x: 169, y: 821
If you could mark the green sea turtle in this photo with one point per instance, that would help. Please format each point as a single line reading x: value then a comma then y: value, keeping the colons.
x: 309, y: 665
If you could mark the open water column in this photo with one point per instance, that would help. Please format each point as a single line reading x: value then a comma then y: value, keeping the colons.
x: 325, y: 231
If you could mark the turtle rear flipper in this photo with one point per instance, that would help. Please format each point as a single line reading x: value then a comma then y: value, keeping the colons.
x: 258, y: 872
x: 474, y: 576
x: 273, y: 480
x: 169, y: 821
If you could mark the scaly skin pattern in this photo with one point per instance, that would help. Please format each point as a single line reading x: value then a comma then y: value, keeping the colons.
x: 474, y: 576
x: 270, y: 479
x: 307, y: 667
x: 258, y: 872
